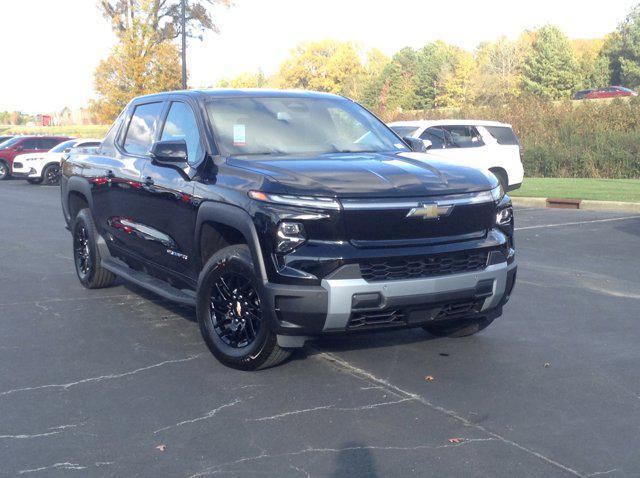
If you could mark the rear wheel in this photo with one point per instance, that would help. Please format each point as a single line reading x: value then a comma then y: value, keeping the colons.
x: 458, y: 328
x: 230, y: 312
x: 86, y: 254
x: 51, y: 175
x: 5, y: 172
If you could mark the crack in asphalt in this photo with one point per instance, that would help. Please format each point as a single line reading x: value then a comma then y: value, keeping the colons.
x: 100, y: 378
x: 54, y: 431
x: 208, y: 415
x: 217, y: 468
x: 372, y: 379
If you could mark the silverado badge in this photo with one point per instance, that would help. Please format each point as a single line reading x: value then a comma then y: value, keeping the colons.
x: 431, y: 211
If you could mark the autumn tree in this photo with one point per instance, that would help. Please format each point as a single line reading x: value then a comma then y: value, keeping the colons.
x: 550, y: 70
x: 145, y: 60
x: 621, y: 51
x: 327, y: 65
x: 245, y: 80
x: 497, y: 76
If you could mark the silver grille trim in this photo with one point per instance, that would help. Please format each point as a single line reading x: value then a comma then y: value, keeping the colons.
x: 453, y: 200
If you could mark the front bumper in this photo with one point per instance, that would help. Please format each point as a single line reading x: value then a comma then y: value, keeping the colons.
x: 24, y: 171
x: 342, y: 305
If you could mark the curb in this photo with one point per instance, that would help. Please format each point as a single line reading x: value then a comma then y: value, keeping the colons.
x: 585, y: 204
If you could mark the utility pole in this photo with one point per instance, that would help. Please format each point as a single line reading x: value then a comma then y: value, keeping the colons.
x: 184, y: 44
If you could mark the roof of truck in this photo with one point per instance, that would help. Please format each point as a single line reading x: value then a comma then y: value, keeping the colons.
x: 243, y: 92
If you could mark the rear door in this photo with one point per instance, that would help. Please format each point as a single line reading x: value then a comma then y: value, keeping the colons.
x: 118, y: 189
x: 170, y: 208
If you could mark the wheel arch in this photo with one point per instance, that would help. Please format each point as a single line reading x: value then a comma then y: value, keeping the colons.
x: 78, y: 192
x: 226, y: 224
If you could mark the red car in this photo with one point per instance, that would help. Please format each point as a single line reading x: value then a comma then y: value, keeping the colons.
x: 22, y: 145
x: 610, y: 92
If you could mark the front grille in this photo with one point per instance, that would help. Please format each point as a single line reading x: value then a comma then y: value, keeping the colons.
x: 423, y: 266
x: 413, y: 316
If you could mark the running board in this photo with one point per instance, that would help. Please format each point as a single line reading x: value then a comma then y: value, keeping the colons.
x: 160, y: 287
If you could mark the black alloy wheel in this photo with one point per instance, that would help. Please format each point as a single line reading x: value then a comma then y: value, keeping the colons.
x: 51, y: 175
x: 82, y: 251
x: 235, y: 310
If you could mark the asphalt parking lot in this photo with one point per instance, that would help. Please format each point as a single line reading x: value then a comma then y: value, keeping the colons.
x: 117, y: 382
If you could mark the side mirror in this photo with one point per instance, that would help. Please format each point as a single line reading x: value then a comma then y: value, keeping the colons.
x: 415, y: 144
x: 171, y: 153
x: 18, y: 148
x: 67, y: 150
x: 427, y: 144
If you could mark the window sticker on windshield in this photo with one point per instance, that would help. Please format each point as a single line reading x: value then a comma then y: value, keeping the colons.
x: 239, y: 135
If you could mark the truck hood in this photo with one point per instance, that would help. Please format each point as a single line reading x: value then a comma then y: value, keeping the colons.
x: 364, y: 174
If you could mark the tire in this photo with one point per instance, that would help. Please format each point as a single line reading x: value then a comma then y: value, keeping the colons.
x: 5, y: 171
x: 230, y: 312
x: 51, y: 175
x: 86, y: 255
x: 502, y: 178
x: 458, y: 329
x: 34, y: 180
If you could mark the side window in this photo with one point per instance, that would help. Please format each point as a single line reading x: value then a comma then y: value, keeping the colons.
x: 463, y: 137
x: 436, y: 136
x: 142, y: 128
x: 47, y: 143
x: 30, y: 143
x: 181, y: 124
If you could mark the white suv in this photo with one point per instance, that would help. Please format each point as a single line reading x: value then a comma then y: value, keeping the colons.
x: 486, y: 145
x: 44, y: 167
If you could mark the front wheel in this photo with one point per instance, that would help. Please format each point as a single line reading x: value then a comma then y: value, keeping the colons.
x: 230, y: 312
x: 5, y: 173
x: 51, y: 175
x: 458, y: 328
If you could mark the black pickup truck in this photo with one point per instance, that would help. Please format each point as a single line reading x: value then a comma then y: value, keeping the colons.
x: 281, y: 216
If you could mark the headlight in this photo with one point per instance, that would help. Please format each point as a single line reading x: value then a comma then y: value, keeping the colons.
x: 289, y: 236
x: 504, y: 216
x: 497, y: 193
x: 304, y: 201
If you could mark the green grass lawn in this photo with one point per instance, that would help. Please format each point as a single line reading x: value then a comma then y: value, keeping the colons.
x: 77, y: 131
x: 569, y: 188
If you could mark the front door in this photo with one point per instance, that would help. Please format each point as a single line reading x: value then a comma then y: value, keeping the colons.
x: 170, y: 209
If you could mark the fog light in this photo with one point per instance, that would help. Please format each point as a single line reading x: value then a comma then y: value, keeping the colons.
x: 504, y: 217
x: 290, y: 235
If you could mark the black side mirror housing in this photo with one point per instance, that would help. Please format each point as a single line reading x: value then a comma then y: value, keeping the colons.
x: 170, y: 153
x: 416, y: 144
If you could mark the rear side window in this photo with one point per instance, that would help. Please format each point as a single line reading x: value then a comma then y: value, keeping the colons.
x: 142, y: 128
x: 503, y: 135
x: 47, y: 143
x: 30, y: 143
x: 462, y: 137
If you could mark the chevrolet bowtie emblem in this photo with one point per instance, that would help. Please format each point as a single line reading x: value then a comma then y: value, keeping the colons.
x: 431, y: 211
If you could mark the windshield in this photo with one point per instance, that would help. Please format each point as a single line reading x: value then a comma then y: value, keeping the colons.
x: 403, y: 131
x: 10, y: 142
x: 289, y: 125
x: 62, y: 146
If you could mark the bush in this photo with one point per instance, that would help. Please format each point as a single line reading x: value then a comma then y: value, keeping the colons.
x: 588, y: 139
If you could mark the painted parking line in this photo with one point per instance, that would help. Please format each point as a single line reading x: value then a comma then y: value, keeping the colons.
x: 543, y: 226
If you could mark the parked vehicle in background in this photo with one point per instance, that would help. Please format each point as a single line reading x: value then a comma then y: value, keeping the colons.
x: 610, y: 92
x: 44, y: 167
x: 22, y: 145
x: 282, y: 216
x: 581, y: 95
x: 487, y: 145
x: 4, y: 138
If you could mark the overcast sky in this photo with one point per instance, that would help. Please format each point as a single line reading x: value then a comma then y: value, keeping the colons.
x: 51, y: 48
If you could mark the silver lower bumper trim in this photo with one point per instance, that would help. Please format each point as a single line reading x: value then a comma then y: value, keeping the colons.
x: 341, y: 291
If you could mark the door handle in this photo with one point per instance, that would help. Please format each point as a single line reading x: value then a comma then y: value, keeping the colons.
x: 148, y: 181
